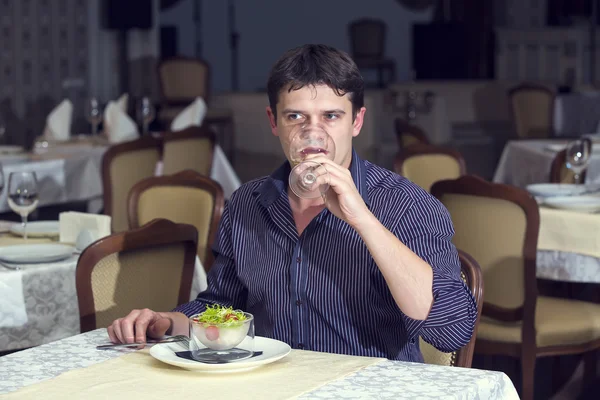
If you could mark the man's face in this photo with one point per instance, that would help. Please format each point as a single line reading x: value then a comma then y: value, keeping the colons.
x: 317, y: 105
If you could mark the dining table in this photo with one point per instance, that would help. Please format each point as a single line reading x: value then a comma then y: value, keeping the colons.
x: 38, y: 302
x: 74, y: 368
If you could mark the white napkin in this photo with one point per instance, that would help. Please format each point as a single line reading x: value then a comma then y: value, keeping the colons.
x: 12, y: 302
x: 58, y: 123
x: 192, y: 115
x: 118, y: 126
x: 123, y: 102
x: 71, y: 223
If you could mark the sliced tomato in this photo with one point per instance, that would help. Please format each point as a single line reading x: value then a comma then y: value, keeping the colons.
x: 231, y: 316
x: 212, y: 333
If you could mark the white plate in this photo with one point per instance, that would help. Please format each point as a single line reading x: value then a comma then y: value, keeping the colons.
x: 561, y: 189
x: 272, y: 349
x: 588, y: 204
x: 35, y: 253
x: 11, y: 149
x: 37, y: 229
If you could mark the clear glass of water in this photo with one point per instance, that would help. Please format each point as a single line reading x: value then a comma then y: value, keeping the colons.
x: 146, y: 114
x: 578, y: 156
x: 93, y: 114
x: 23, y: 195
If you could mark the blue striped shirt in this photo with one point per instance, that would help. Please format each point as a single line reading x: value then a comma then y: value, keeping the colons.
x: 322, y: 290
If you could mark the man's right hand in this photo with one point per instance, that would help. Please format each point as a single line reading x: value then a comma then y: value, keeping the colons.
x: 139, y: 325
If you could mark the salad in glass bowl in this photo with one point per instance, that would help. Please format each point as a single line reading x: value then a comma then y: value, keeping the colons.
x: 220, y: 328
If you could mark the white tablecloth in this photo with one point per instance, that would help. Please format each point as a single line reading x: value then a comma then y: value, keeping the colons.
x: 49, y: 296
x: 387, y: 379
x: 524, y: 162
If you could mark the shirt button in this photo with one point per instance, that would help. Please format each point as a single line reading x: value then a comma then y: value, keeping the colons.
x: 300, y: 346
x: 298, y: 302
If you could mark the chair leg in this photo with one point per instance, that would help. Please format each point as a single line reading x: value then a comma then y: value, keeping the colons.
x: 528, y: 360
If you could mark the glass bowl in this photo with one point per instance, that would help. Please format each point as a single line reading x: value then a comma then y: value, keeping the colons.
x: 220, y: 337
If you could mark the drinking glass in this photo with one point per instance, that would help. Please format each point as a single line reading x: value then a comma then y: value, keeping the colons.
x: 93, y: 113
x: 23, y: 195
x: 146, y: 114
x: 309, y: 179
x: 578, y: 154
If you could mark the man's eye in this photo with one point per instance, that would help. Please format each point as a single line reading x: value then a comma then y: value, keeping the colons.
x: 294, y: 117
x: 331, y: 116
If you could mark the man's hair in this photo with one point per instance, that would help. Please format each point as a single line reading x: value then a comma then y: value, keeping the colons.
x: 316, y: 64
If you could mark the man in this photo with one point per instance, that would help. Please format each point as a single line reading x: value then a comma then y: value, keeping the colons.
x: 364, y: 271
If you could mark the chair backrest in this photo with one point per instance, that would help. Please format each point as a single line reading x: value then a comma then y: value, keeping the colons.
x: 186, y: 197
x: 149, y: 267
x: 559, y: 173
x: 532, y: 109
x: 408, y: 134
x: 124, y: 165
x: 191, y: 148
x: 367, y: 38
x: 498, y: 225
x: 426, y: 164
x: 183, y: 79
x: 471, y: 275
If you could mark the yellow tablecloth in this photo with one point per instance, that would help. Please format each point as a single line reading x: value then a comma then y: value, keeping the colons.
x: 139, y: 375
x: 569, y: 231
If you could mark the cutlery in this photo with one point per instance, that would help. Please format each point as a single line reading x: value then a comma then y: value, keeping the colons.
x: 172, y: 339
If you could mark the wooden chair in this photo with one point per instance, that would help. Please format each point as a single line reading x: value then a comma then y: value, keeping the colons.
x: 559, y: 173
x: 426, y: 164
x: 498, y: 225
x: 181, y: 80
x: 367, y: 43
x: 532, y: 109
x: 471, y: 274
x: 408, y: 134
x: 186, y: 197
x: 149, y: 267
x: 191, y: 148
x: 123, y: 165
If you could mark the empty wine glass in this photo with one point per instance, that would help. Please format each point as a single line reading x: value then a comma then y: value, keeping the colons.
x: 93, y: 113
x: 309, y: 179
x: 146, y: 114
x: 23, y: 195
x: 578, y: 156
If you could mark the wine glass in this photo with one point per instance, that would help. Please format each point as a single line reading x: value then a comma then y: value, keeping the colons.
x: 23, y: 195
x: 309, y: 179
x: 146, y: 114
x: 93, y: 113
x: 578, y: 156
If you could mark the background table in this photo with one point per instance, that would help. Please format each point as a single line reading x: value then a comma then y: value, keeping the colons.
x: 387, y: 379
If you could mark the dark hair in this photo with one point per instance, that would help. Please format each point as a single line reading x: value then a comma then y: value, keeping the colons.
x: 316, y: 64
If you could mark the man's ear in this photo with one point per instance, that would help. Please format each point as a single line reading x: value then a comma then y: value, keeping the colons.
x: 272, y: 121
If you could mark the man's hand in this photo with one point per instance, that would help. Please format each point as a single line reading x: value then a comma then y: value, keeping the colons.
x: 342, y: 199
x: 139, y: 325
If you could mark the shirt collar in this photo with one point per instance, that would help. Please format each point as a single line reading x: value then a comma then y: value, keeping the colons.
x: 276, y: 184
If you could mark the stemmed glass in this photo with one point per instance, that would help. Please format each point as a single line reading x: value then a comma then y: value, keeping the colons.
x: 146, y: 114
x: 23, y: 195
x: 309, y: 179
x: 93, y: 113
x: 578, y: 156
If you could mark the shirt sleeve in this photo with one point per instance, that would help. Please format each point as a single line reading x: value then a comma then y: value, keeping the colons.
x: 427, y: 230
x: 224, y: 286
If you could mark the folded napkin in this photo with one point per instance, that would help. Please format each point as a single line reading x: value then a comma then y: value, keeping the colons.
x: 71, y: 224
x: 192, y: 115
x: 12, y: 302
x: 118, y: 126
x: 123, y: 102
x: 58, y: 123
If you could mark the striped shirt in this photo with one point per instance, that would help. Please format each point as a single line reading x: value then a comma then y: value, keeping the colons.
x: 322, y: 290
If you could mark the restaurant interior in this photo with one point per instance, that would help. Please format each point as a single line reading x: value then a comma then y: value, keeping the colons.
x: 126, y: 126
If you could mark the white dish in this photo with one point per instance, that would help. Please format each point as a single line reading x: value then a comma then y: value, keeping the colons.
x: 6, y: 149
x: 35, y: 253
x: 561, y: 189
x: 37, y: 229
x: 273, y: 350
x: 587, y: 204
